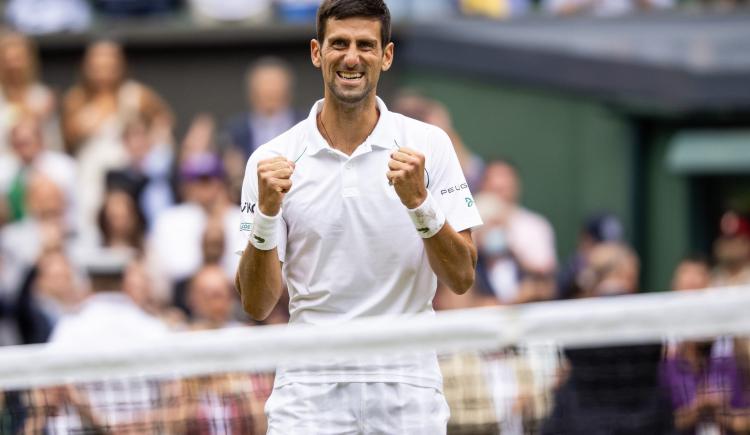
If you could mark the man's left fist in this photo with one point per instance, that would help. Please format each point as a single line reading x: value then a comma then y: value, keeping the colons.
x: 406, y: 175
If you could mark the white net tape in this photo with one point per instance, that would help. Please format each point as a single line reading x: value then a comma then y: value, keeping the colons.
x: 644, y: 318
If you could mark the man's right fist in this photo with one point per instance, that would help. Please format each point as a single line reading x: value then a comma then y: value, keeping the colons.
x: 274, y: 180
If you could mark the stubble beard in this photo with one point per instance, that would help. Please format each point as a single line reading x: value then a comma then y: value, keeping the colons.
x: 346, y: 98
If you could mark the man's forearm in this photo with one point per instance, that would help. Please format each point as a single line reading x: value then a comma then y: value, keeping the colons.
x: 452, y: 257
x: 259, y: 281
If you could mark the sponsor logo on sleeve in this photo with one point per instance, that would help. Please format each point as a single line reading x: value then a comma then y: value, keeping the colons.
x: 453, y: 189
x: 469, y: 201
x: 248, y: 207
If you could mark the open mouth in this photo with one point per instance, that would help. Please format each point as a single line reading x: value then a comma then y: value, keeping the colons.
x: 350, y: 75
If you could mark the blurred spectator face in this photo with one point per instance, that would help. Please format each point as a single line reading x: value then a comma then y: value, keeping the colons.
x: 120, y: 215
x: 211, y: 296
x: 203, y: 191
x: 491, y: 238
x: 269, y: 90
x: 56, y: 279
x: 26, y: 140
x: 213, y: 242
x: 501, y: 179
x: 137, y: 284
x: 137, y: 140
x: 16, y: 59
x: 202, y: 179
x: 45, y: 200
x: 104, y: 65
x: 423, y: 109
x: 691, y: 275
x: 611, y: 269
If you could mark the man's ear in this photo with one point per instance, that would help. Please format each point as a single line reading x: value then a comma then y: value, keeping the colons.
x: 315, y: 52
x: 388, y: 56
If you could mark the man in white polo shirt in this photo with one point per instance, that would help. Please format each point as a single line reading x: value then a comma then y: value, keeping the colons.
x: 360, y: 210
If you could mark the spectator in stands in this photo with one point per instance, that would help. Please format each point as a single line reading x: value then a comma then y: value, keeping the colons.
x: 135, y: 8
x: 152, y: 162
x: 529, y: 232
x: 30, y: 154
x: 121, y: 221
x: 598, y: 228
x: 151, y: 294
x: 269, y: 84
x: 517, y: 249
x: 603, y: 8
x: 44, y: 229
x: 498, y: 271
x: 94, y: 114
x: 109, y: 315
x: 497, y: 9
x: 708, y: 389
x: 732, y: 251
x: 52, y: 288
x: 705, y: 379
x: 692, y: 273
x: 48, y: 16
x: 175, y: 242
x: 611, y: 390
x: 212, y: 299
x: 417, y: 106
x: 238, y: 398
x: 22, y: 95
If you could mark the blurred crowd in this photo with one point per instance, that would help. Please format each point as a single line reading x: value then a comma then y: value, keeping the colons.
x: 113, y: 228
x: 49, y: 16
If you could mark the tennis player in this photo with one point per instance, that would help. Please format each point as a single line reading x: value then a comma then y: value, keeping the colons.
x: 359, y: 211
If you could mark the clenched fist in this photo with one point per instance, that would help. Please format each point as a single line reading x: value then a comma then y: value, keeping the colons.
x: 274, y: 181
x: 406, y: 174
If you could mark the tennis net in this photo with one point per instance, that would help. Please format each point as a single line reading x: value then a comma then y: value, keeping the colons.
x: 640, y: 364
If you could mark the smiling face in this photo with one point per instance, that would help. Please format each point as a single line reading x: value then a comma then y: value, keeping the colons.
x: 351, y: 58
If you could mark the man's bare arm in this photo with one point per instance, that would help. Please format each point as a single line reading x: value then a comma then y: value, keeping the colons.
x: 453, y: 258
x: 451, y: 254
x: 260, y: 271
x: 258, y: 278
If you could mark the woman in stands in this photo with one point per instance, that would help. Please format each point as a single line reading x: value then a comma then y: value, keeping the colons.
x: 21, y: 92
x: 95, y: 112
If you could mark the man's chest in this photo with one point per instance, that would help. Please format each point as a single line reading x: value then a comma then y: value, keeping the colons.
x: 331, y: 192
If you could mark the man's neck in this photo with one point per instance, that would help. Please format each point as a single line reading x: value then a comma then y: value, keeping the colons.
x: 346, y: 127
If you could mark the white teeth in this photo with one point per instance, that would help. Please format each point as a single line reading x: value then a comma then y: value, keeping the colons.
x: 350, y: 76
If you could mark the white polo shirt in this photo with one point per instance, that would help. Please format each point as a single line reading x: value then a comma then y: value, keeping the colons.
x: 348, y: 246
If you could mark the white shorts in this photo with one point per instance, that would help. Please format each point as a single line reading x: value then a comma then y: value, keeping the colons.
x: 356, y: 409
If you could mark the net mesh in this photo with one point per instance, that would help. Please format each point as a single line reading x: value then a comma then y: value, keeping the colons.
x: 644, y: 364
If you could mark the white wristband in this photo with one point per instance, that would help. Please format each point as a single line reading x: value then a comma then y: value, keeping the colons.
x: 428, y: 218
x: 265, y: 231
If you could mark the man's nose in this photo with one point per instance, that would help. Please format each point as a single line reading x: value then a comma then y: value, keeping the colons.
x: 352, y: 57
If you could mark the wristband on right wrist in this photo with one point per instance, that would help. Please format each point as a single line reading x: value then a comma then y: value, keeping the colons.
x: 265, y: 231
x: 428, y: 218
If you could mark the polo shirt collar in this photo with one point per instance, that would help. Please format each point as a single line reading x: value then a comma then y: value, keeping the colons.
x: 383, y: 136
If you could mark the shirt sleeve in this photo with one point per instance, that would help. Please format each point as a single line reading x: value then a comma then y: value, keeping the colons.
x: 447, y: 183
x: 249, y: 206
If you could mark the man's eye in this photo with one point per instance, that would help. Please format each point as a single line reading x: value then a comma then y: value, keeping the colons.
x: 338, y: 44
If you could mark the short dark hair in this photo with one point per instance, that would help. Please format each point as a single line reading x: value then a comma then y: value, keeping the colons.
x: 342, y: 9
